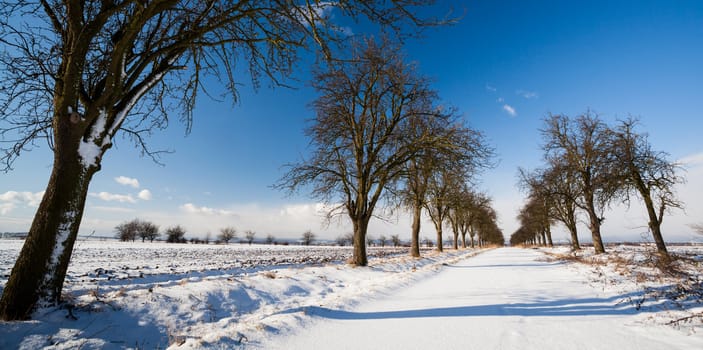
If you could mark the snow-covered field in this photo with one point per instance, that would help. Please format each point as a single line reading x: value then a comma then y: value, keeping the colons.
x: 154, y: 295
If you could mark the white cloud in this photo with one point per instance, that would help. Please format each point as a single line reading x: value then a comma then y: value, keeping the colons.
x: 144, y: 195
x: 127, y: 181
x: 693, y: 160
x: 509, y: 109
x: 191, y: 208
x: 6, y: 208
x: 491, y: 88
x: 29, y: 198
x: 111, y: 197
x: 527, y: 94
x: 112, y: 209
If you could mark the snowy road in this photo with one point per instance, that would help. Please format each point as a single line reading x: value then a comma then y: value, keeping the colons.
x: 502, y: 299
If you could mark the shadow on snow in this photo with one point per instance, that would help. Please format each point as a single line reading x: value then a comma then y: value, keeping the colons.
x: 623, y: 304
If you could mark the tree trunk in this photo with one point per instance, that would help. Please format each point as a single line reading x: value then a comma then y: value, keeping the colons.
x: 594, y: 224
x: 415, y: 235
x: 655, y: 226
x: 574, y: 236
x: 38, y: 275
x: 548, y: 230
x: 360, y: 226
x: 463, y: 240
x: 440, y: 247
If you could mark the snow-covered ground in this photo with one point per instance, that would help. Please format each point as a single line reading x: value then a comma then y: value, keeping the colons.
x: 155, y: 295
x: 134, y: 295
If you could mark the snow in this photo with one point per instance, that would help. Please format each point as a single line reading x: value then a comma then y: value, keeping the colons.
x: 502, y: 299
x: 158, y: 295
x: 64, y: 232
x: 88, y: 149
x: 122, y: 114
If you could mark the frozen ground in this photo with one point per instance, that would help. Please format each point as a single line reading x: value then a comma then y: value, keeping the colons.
x: 263, y: 297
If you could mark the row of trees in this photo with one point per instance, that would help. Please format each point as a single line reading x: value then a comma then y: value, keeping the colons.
x: 80, y: 74
x: 589, y: 165
x: 379, y: 134
x: 146, y: 230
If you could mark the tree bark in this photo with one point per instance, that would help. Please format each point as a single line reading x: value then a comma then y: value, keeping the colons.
x: 440, y: 247
x: 574, y: 236
x: 360, y: 226
x: 38, y: 275
x: 548, y: 231
x: 415, y: 234
x: 594, y: 224
x: 655, y: 226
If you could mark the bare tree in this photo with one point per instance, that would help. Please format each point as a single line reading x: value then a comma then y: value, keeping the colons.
x: 308, y: 237
x: 647, y: 173
x: 558, y: 187
x: 175, y: 234
x: 127, y: 231
x: 227, y: 234
x: 365, y: 113
x: 77, y: 74
x: 382, y: 240
x: 535, y: 219
x: 249, y: 236
x: 441, y: 186
x: 345, y: 239
x: 464, y: 152
x: 270, y: 239
x: 148, y: 230
x: 580, y: 144
x: 395, y: 240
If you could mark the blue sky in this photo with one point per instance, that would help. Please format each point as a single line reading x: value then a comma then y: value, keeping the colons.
x: 505, y: 66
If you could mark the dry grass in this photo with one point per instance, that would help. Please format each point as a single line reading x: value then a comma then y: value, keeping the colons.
x: 674, y: 285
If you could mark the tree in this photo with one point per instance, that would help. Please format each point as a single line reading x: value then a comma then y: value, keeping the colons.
x: 175, y: 234
x: 484, y: 226
x: 647, y: 173
x: 360, y: 136
x: 127, y: 231
x: 77, y: 74
x: 308, y: 237
x: 345, y: 239
x: 464, y: 151
x: 382, y: 240
x: 557, y: 186
x: 249, y: 236
x: 535, y: 219
x: 580, y: 144
x: 148, y: 230
x: 442, y: 187
x: 227, y: 234
x: 395, y: 240
x: 270, y: 239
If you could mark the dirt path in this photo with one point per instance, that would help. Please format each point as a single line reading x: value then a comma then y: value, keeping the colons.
x: 502, y: 299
